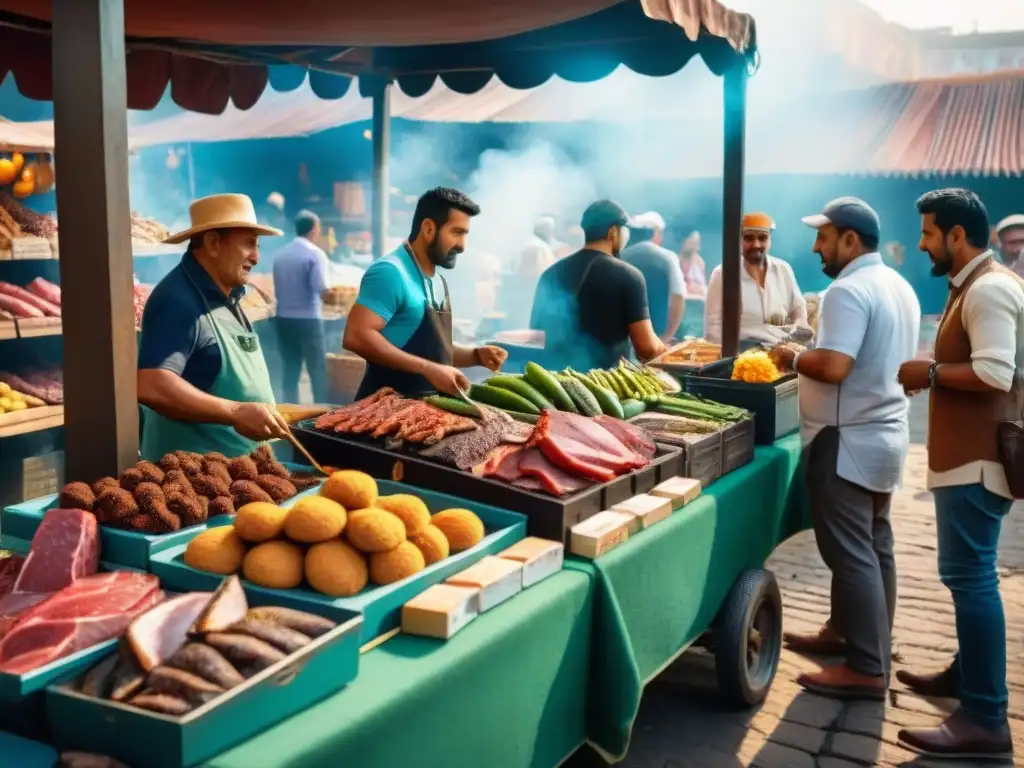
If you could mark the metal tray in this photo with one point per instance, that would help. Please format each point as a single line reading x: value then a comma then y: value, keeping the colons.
x: 547, y: 517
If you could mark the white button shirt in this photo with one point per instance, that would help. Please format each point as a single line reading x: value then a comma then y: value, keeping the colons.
x: 779, y: 302
x: 993, y: 316
x: 871, y: 314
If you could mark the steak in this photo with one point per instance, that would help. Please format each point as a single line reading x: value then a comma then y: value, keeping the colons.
x: 92, y: 610
x: 533, y: 464
x: 483, y: 448
x: 65, y: 547
x: 637, y: 439
x: 582, y: 447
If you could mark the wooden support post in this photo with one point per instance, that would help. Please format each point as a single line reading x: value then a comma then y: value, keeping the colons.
x: 381, y: 191
x: 732, y: 205
x: 101, y: 418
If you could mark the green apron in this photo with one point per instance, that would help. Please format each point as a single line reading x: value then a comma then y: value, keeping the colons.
x: 243, y: 378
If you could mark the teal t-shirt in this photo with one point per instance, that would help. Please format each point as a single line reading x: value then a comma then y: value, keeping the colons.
x: 394, y: 289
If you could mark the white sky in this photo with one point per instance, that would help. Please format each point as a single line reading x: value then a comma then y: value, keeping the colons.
x: 963, y: 15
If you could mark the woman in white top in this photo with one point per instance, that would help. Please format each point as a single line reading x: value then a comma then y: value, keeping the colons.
x: 771, y: 302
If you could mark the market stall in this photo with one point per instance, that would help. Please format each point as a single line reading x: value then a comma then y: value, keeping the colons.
x: 524, y: 652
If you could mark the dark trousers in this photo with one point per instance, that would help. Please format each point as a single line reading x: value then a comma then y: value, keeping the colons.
x: 302, y: 341
x: 854, y: 535
x: 968, y: 521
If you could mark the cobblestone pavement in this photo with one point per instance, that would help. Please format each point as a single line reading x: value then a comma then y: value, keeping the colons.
x: 681, y: 724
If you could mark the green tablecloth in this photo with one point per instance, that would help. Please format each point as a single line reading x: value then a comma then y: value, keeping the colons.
x: 661, y: 590
x: 509, y: 690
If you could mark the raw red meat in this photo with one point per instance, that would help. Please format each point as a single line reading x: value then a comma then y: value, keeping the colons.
x: 508, y: 468
x: 494, y: 459
x: 90, y: 611
x: 45, y: 289
x: 46, y: 307
x: 534, y: 464
x: 66, y: 547
x: 582, y: 447
x: 10, y: 567
x: 635, y: 438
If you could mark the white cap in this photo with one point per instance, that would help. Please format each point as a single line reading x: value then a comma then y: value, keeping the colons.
x: 1016, y: 220
x: 648, y: 220
x: 276, y: 199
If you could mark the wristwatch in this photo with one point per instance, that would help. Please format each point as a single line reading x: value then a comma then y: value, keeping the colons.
x: 933, y: 375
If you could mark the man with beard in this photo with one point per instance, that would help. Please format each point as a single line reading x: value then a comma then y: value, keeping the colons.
x: 1010, y: 232
x: 855, y: 434
x: 975, y: 387
x: 772, y: 306
x: 401, y: 323
x: 592, y: 305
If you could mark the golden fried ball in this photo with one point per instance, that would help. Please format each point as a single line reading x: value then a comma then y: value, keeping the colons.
x: 259, y: 521
x: 313, y: 519
x: 274, y: 565
x: 351, y: 489
x: 374, y: 530
x: 462, y: 528
x: 407, y: 508
x: 336, y: 569
x: 432, y: 543
x: 216, y: 550
x: 396, y: 564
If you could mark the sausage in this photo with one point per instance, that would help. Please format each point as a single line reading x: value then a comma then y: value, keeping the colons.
x: 48, y: 308
x: 18, y: 308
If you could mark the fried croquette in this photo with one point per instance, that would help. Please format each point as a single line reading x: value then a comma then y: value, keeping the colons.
x: 77, y: 495
x: 218, y: 470
x: 168, y: 462
x: 115, y: 507
x: 175, y: 480
x: 217, y: 457
x: 336, y: 569
x: 188, y: 463
x: 151, y: 473
x: 407, y: 508
x: 210, y: 486
x: 396, y: 564
x: 351, y: 489
x: 259, y: 521
x: 243, y: 468
x: 103, y: 483
x: 222, y: 505
x: 303, y: 481
x: 275, y: 565
x: 152, y: 503
x: 246, y: 491
x: 462, y: 528
x: 278, y: 487
x: 216, y: 550
x: 130, y: 478
x: 188, y: 509
x: 374, y: 530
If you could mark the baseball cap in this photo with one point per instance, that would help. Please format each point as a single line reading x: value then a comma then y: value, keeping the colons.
x: 847, y: 213
x: 604, y: 213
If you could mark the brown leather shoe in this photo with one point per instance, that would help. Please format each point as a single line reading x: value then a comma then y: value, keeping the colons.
x: 960, y: 738
x: 937, y: 685
x: 841, y: 682
x: 825, y: 642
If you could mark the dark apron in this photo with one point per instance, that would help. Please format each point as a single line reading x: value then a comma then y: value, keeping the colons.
x: 431, y: 341
x: 577, y: 349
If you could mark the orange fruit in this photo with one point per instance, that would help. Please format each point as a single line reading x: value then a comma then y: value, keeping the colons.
x: 19, y: 161
x: 28, y: 173
x: 23, y: 188
x: 7, y: 171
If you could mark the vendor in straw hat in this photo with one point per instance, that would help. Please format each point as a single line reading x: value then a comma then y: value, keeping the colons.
x: 202, y: 377
x: 773, y: 308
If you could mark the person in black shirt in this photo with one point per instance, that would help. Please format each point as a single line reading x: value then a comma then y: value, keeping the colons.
x: 591, y: 305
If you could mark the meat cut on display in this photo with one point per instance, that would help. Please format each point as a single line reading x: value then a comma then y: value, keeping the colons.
x: 65, y: 548
x: 92, y: 610
x: 387, y: 414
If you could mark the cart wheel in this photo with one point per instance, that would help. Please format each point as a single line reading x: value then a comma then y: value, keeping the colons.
x: 748, y: 639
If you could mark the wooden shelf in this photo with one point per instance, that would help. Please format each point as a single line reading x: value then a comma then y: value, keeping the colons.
x: 32, y: 327
x: 31, y: 420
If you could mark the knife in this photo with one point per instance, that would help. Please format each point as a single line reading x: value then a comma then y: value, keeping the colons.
x: 464, y: 396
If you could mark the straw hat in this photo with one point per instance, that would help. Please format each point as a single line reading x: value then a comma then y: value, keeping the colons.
x: 221, y: 212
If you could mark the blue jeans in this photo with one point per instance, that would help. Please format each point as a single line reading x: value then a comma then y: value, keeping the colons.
x: 968, y: 520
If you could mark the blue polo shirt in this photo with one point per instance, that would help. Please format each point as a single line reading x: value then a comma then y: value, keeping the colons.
x: 177, y: 334
x: 393, y: 288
